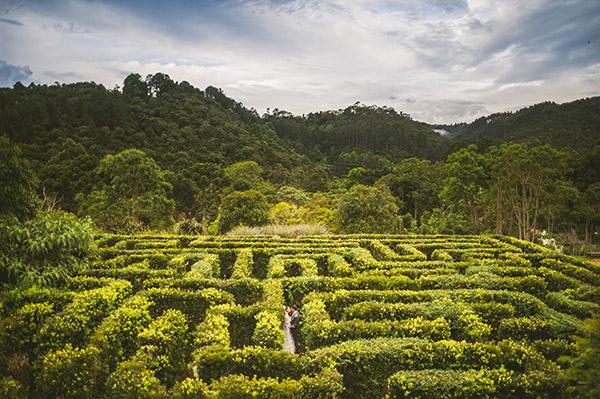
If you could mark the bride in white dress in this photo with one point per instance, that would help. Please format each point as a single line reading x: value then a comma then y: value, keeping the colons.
x: 288, y: 342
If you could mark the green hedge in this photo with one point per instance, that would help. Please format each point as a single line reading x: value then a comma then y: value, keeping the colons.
x: 296, y: 288
x: 250, y: 361
x: 484, y: 383
x: 117, y: 336
x: 68, y: 373
x: 136, y: 275
x: 244, y: 291
x: 79, y: 319
x: 164, y: 345
x: 366, y: 364
x: 581, y: 309
x: 18, y: 331
x: 242, y: 268
x: 521, y: 304
x: 326, y: 385
x: 193, y: 304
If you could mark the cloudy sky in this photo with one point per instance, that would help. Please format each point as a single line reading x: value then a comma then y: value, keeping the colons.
x: 441, y: 61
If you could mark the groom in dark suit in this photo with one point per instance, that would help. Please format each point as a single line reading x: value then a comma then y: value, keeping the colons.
x: 295, y: 325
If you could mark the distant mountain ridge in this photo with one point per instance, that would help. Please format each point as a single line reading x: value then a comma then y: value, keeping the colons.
x: 574, y: 124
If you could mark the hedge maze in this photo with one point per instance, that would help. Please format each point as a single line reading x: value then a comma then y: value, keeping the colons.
x: 381, y: 316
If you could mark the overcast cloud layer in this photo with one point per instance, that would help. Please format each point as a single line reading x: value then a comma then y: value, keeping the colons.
x: 439, y: 61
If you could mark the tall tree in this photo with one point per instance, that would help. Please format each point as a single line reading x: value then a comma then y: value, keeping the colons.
x: 243, y: 208
x: 466, y: 183
x: 416, y: 183
x: 131, y: 195
x: 366, y: 209
x: 18, y: 183
x: 524, y: 170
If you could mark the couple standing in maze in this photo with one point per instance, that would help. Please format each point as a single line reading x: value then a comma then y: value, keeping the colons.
x: 291, y: 328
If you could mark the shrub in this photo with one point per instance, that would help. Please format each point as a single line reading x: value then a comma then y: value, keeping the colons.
x: 484, y: 383
x: 76, y: 322
x: 250, y: 360
x: 361, y: 259
x: 212, y: 333
x: 117, y: 337
x: 242, y: 387
x: 440, y: 384
x: 11, y: 389
x: 324, y: 386
x: 68, y: 373
x: 193, y: 304
x: 442, y: 255
x: 190, y: 388
x: 17, y: 332
x: 45, y: 250
x: 562, y: 303
x: 524, y: 327
x: 207, y: 267
x: 276, y: 267
x: 164, y: 341
x: 133, y: 379
x: 268, y: 332
x: 242, y: 268
x: 338, y: 267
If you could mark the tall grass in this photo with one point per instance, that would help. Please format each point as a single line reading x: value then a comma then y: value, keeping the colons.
x: 286, y: 231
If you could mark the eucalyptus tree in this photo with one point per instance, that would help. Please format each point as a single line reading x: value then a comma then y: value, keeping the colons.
x: 523, y: 171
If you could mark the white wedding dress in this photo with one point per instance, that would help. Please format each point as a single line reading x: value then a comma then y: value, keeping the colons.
x: 288, y: 340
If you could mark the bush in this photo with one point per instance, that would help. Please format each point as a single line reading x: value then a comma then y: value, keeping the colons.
x: 190, y: 388
x: 68, y: 373
x: 242, y: 268
x: 250, y: 360
x: 193, y: 304
x: 11, y: 389
x: 439, y: 254
x: 524, y: 327
x: 207, y: 267
x: 268, y: 332
x: 17, y: 333
x: 324, y: 386
x: 76, y: 322
x: 440, y: 384
x: 338, y: 267
x: 212, y: 333
x: 164, y: 341
x: 117, y: 337
x: 133, y: 379
x: 45, y: 250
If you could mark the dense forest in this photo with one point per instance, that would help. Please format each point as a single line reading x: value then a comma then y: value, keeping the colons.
x: 161, y: 155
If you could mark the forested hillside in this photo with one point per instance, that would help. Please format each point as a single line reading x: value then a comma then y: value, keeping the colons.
x: 575, y: 125
x: 156, y: 152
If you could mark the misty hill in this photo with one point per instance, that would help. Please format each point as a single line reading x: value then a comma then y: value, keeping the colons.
x: 575, y: 124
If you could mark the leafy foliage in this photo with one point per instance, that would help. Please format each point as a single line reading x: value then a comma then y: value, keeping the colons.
x: 131, y: 195
x: 243, y: 208
x: 367, y: 210
x: 17, y: 183
x: 45, y: 250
